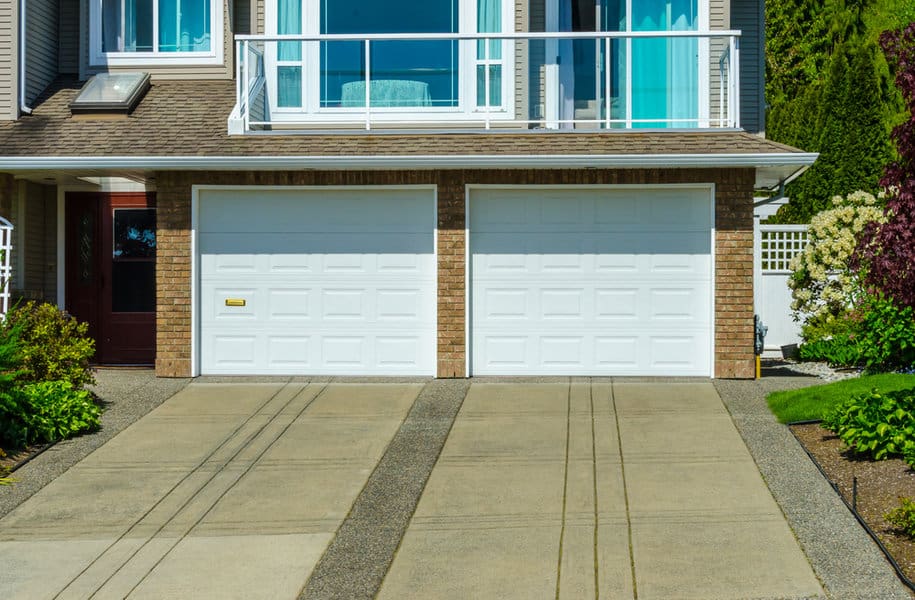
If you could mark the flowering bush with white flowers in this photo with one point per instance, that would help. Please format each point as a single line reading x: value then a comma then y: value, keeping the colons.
x: 823, y: 286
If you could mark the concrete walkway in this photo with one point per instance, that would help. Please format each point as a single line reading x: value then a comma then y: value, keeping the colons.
x: 412, y: 490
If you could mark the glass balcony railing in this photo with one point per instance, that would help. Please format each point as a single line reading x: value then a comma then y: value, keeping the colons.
x: 603, y: 80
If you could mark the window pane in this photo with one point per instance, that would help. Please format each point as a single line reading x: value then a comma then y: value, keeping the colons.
x: 495, y: 85
x: 289, y: 21
x: 289, y: 86
x: 184, y: 25
x: 489, y: 20
x: 404, y: 73
x: 131, y: 31
x: 111, y: 26
x: 133, y: 286
x: 134, y: 233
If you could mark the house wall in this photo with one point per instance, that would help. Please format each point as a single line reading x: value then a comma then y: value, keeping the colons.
x: 68, y: 31
x: 9, y: 60
x: 733, y: 247
x: 34, y: 256
x: 42, y: 53
x: 749, y: 17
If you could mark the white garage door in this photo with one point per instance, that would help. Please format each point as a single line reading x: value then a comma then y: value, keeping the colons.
x: 592, y: 281
x: 311, y: 281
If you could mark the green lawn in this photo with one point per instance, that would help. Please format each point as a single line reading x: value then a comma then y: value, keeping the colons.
x: 810, y: 403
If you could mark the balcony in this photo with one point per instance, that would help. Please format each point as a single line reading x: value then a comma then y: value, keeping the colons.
x: 486, y: 82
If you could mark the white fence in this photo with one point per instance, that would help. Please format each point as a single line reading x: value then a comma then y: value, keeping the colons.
x: 775, y: 246
x: 6, y: 269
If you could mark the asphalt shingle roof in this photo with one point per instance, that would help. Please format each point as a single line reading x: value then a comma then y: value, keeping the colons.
x: 188, y: 118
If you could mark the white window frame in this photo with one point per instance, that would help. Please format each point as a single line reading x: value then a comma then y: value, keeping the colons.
x: 552, y: 70
x: 214, y: 56
x: 467, y: 64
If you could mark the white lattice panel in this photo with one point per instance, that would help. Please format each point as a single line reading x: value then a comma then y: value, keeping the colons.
x: 779, y: 244
x: 6, y: 269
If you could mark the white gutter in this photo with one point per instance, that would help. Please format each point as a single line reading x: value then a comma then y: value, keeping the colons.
x: 23, y: 108
x: 795, y: 160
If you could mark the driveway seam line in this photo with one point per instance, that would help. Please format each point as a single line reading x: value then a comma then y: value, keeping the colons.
x: 565, y: 486
x: 619, y: 442
x: 594, y: 491
x: 146, y: 513
x: 230, y: 487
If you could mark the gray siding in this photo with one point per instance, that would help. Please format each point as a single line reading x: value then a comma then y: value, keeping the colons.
x: 41, y: 45
x: 68, y: 45
x: 242, y: 16
x: 9, y: 72
x: 748, y: 16
x: 35, y: 243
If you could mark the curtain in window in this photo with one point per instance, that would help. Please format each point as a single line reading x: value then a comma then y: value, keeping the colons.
x: 184, y: 25
x: 289, y: 77
x: 566, y: 66
x: 489, y: 20
x: 111, y: 26
x: 684, y: 65
x: 289, y: 21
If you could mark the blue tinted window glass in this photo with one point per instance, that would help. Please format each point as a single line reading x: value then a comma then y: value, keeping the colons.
x: 403, y: 73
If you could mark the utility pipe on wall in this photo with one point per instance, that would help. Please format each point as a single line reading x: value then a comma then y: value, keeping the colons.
x: 23, y: 107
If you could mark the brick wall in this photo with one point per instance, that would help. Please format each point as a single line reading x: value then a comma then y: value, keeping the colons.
x: 733, y: 260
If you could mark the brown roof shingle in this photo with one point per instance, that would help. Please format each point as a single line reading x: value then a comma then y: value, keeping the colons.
x: 188, y: 118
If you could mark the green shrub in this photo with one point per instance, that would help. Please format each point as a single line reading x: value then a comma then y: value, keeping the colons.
x: 840, y: 350
x: 54, y: 346
x: 58, y: 410
x: 876, y: 425
x: 886, y: 340
x: 903, y: 517
x: 46, y: 411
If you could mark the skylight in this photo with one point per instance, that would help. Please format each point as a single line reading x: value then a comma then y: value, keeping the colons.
x: 116, y: 93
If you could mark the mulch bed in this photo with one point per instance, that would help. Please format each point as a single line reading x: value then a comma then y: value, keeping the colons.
x: 880, y: 485
x: 14, y: 459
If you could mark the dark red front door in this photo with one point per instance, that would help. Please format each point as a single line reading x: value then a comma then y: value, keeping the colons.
x: 111, y: 272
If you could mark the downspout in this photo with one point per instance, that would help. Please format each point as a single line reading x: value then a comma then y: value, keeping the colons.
x: 23, y: 107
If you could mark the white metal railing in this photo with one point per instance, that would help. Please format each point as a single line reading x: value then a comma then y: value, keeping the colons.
x: 529, y: 89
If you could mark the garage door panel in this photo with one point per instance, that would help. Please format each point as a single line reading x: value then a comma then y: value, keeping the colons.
x: 591, y: 281
x: 277, y: 211
x: 240, y: 247
x: 319, y: 302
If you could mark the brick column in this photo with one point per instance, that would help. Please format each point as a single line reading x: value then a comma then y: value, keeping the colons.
x: 173, y: 275
x: 452, y: 353
x: 734, y: 357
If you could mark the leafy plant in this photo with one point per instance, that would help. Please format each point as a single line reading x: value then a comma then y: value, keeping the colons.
x: 46, y: 411
x: 903, y: 516
x: 837, y: 351
x: 886, y: 339
x: 876, y: 425
x: 53, y: 345
x: 58, y: 410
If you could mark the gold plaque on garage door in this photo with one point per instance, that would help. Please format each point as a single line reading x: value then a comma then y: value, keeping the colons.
x: 235, y: 302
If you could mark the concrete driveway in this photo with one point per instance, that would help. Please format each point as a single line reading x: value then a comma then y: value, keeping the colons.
x: 440, y: 489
